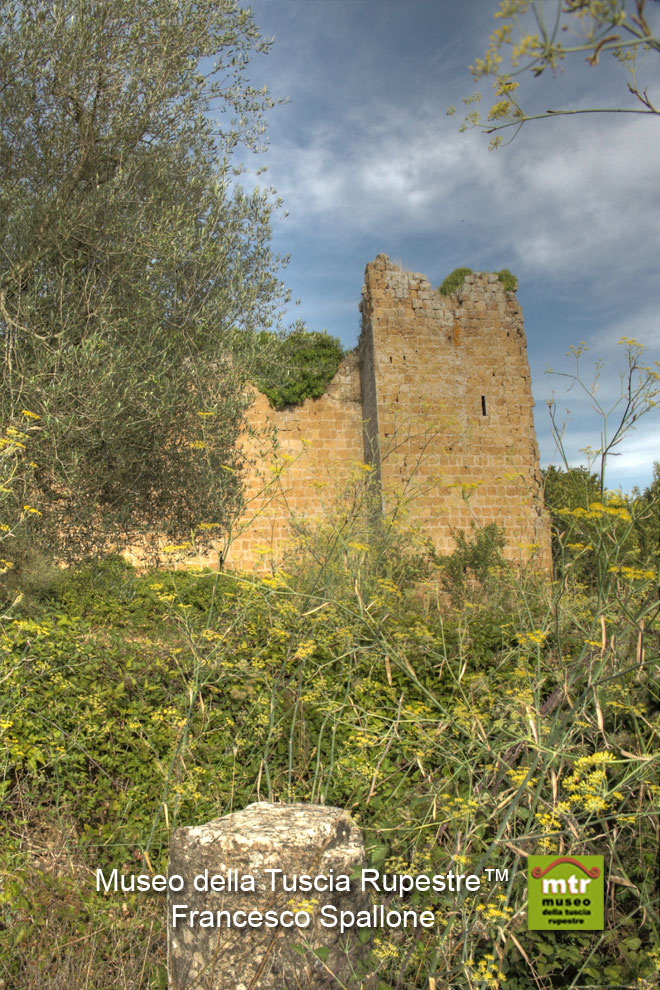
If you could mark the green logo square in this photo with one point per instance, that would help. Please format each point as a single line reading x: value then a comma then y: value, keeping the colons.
x: 565, y: 893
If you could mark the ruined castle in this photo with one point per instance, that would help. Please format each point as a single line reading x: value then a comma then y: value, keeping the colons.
x: 435, y: 403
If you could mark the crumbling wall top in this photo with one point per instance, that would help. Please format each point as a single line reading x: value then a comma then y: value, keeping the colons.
x: 383, y: 274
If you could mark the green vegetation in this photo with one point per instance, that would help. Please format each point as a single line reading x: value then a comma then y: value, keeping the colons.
x: 477, y: 560
x: 648, y: 519
x: 455, y: 279
x: 526, y: 720
x: 136, y: 272
x: 509, y: 281
x: 466, y: 712
x: 296, y: 367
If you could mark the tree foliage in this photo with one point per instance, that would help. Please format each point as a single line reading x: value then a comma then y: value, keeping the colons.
x: 569, y: 488
x: 566, y: 490
x: 532, y: 37
x: 133, y: 268
x: 648, y: 524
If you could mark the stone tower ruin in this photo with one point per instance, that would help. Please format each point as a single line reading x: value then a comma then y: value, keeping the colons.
x: 435, y: 402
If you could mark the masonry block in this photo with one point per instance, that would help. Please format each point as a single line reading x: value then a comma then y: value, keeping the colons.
x: 244, y: 852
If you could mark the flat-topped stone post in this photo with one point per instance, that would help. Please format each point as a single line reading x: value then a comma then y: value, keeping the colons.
x: 246, y: 897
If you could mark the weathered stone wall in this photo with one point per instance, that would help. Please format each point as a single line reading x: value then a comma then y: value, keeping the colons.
x: 317, y: 446
x: 455, y: 428
x: 437, y: 399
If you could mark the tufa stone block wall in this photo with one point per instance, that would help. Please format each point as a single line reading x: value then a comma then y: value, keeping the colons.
x: 449, y: 407
x: 436, y: 399
x: 300, y: 455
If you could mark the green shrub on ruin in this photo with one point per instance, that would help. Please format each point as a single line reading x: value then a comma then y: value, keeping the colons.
x: 508, y: 280
x: 296, y: 367
x: 454, y: 281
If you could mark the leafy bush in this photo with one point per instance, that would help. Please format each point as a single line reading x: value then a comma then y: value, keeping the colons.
x: 296, y: 367
x: 464, y: 739
x: 476, y: 561
x: 354, y: 538
x: 563, y: 491
x: 108, y: 592
x: 598, y: 536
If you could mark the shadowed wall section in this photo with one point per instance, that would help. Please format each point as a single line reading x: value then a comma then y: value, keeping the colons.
x: 299, y: 457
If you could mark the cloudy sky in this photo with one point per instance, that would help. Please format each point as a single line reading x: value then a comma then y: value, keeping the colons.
x: 367, y: 160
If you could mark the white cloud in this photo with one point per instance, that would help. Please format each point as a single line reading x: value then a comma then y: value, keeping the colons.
x: 591, y: 200
x: 563, y: 209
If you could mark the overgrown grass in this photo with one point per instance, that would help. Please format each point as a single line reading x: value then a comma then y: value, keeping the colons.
x: 468, y: 739
x: 466, y: 714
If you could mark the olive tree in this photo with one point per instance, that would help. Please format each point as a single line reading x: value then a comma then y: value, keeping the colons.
x: 135, y: 271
